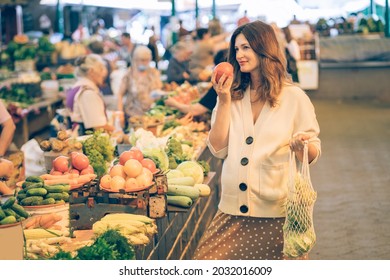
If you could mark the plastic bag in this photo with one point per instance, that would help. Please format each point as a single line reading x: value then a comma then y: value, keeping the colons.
x: 298, y: 229
x: 33, y: 158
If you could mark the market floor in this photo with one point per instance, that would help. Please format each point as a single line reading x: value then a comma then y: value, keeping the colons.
x: 352, y: 178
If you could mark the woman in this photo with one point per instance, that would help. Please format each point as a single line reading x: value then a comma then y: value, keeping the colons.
x: 85, y: 100
x: 293, y: 54
x: 134, y: 95
x: 260, y: 115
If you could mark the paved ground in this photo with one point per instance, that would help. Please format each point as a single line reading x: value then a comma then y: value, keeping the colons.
x: 352, y: 213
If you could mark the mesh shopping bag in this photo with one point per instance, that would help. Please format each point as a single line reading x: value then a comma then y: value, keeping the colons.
x: 298, y: 230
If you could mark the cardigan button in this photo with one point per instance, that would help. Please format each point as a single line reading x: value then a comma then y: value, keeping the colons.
x: 249, y: 140
x: 244, y: 161
x: 243, y: 187
x: 244, y: 209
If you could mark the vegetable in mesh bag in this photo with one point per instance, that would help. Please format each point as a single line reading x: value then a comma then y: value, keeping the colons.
x: 298, y: 229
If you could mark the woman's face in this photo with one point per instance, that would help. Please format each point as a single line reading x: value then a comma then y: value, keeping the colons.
x: 245, y: 56
x: 98, y: 74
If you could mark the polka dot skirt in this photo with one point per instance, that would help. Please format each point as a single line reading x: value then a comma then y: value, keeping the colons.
x: 241, y: 238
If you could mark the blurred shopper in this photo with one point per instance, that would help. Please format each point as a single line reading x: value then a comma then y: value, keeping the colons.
x: 293, y: 54
x: 85, y: 100
x: 259, y: 117
x: 178, y: 66
x: 244, y: 19
x: 7, y: 129
x: 126, y: 48
x: 207, y: 102
x: 201, y: 60
x: 97, y: 47
x: 134, y: 95
x: 81, y: 34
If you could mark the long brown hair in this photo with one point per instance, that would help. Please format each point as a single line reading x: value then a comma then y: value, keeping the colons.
x: 262, y: 39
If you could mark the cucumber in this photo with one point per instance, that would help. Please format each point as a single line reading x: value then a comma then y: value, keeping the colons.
x: 9, y: 202
x: 2, y: 214
x: 31, y: 199
x: 47, y: 201
x: 37, y: 192
x: 34, y: 179
x: 57, y: 188
x: 179, y: 200
x: 191, y: 192
x: 10, y: 212
x: 58, y: 196
x: 8, y: 220
x: 19, y: 210
x: 21, y: 196
x: 26, y: 184
x: 33, y: 186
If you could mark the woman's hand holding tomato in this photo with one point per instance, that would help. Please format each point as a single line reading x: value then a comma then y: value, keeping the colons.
x: 222, y: 80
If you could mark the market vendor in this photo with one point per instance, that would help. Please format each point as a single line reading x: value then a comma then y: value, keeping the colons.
x: 7, y: 129
x: 85, y: 101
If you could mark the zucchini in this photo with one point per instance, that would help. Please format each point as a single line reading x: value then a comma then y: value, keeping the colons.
x: 37, y: 192
x: 179, y: 200
x: 204, y: 189
x: 19, y: 210
x: 9, y: 202
x: 34, y: 179
x: 8, y: 220
x: 191, y: 192
x: 31, y: 200
x: 57, y: 188
x: 184, y: 181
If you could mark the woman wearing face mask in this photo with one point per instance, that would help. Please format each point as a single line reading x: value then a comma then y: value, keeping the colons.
x: 134, y: 97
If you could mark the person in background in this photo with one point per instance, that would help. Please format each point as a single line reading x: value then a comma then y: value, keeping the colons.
x: 152, y: 45
x: 134, y: 95
x: 204, y: 50
x: 7, y: 129
x: 259, y: 117
x: 97, y: 47
x: 127, y: 48
x: 183, y: 33
x: 178, y: 66
x: 244, y: 19
x: 207, y: 102
x: 85, y: 100
x: 293, y: 54
x: 80, y: 34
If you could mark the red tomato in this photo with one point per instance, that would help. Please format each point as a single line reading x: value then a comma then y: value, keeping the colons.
x: 137, y: 153
x: 74, y: 171
x: 88, y: 170
x: 125, y: 156
x: 149, y: 164
x: 223, y: 68
x: 55, y: 172
x: 80, y: 161
x: 61, y: 163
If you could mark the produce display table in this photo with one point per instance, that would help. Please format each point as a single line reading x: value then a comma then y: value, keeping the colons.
x: 178, y: 232
x: 36, y: 118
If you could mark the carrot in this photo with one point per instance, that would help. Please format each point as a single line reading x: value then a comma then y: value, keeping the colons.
x: 53, y: 177
x: 48, y: 220
x: 50, y: 182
